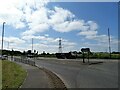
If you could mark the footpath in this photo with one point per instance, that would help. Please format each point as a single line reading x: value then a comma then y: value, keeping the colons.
x: 38, y: 77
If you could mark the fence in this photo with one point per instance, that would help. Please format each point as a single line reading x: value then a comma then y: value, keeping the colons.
x: 25, y: 60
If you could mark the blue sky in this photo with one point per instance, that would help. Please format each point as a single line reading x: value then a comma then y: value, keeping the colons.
x: 78, y: 24
x: 104, y: 13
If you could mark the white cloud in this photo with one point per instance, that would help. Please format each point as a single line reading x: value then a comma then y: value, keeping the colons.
x: 50, y: 17
x: 14, y: 40
x: 59, y: 19
x: 93, y: 25
x: 60, y: 15
x: 101, y: 38
x: 14, y: 12
x: 63, y: 20
x: 49, y: 44
x: 101, y: 43
x: 100, y: 46
x: 89, y: 29
x: 14, y: 43
x: 36, y: 29
x: 68, y: 26
x: 10, y: 14
x: 95, y: 47
x: 46, y: 35
x: 48, y: 40
x: 37, y: 18
x: 88, y: 33
x: 45, y: 47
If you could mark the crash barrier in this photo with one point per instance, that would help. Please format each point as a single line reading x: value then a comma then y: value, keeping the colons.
x: 26, y: 61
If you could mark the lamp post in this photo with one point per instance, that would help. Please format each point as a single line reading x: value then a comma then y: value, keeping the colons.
x: 2, y: 38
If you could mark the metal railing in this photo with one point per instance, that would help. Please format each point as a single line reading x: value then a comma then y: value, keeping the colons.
x: 25, y: 60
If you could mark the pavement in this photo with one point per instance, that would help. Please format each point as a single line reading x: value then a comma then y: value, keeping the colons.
x: 36, y: 78
x: 39, y: 77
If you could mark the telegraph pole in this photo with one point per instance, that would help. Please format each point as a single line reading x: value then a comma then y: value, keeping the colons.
x: 109, y: 42
x: 2, y: 39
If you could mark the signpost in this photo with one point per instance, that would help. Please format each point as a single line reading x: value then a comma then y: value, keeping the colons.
x: 83, y: 52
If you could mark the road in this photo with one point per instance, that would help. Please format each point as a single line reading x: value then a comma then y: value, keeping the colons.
x: 75, y: 74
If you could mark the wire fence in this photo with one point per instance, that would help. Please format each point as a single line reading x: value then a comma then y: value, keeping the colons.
x: 25, y: 60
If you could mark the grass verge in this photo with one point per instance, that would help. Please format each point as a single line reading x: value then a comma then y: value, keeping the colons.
x: 13, y: 74
x: 0, y: 74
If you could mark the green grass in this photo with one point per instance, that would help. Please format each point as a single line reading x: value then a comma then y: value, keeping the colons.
x: 101, y: 56
x: 13, y: 74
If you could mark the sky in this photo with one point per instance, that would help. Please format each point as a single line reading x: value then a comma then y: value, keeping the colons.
x: 78, y: 24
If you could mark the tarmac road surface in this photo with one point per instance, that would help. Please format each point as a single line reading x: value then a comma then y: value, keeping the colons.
x: 75, y: 74
x: 40, y: 77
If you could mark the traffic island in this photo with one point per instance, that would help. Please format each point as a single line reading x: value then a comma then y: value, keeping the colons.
x: 56, y: 82
x: 92, y: 63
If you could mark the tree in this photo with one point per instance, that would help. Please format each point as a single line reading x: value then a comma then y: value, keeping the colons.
x: 48, y: 54
x: 44, y: 53
x: 34, y: 51
x: 29, y: 52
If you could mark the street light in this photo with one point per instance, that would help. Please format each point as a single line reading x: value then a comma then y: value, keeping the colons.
x: 2, y: 39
